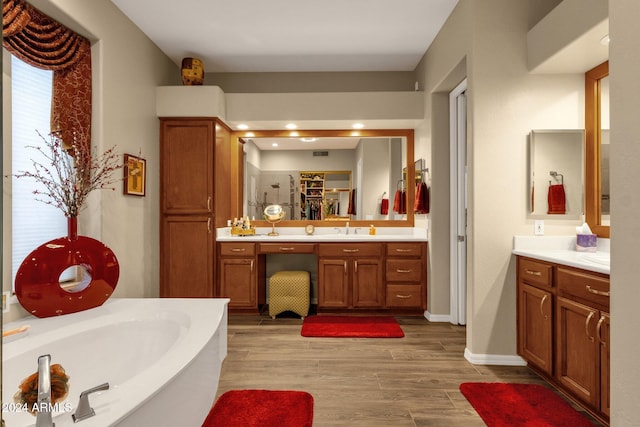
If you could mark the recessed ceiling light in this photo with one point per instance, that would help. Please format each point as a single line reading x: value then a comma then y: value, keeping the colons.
x: 243, y: 126
x: 357, y: 126
x: 275, y: 144
x: 307, y: 139
x: 291, y: 126
x: 249, y: 134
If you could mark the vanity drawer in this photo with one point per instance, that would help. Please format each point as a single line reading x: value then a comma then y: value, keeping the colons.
x: 287, y: 248
x: 584, y: 285
x: 349, y: 249
x: 404, y: 296
x: 535, y: 273
x: 404, y: 270
x: 237, y: 249
x: 405, y: 249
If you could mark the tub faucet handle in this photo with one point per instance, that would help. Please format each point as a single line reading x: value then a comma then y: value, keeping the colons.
x: 43, y: 417
x: 85, y: 410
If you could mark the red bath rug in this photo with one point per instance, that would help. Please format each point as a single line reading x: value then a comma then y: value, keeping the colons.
x: 513, y: 405
x: 261, y: 408
x: 351, y: 327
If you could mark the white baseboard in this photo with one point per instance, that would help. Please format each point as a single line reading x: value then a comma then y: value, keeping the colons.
x: 494, y: 359
x: 437, y: 317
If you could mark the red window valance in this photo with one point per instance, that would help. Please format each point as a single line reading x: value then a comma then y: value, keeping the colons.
x: 44, y: 43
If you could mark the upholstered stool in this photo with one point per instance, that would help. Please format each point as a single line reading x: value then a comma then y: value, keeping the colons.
x: 289, y: 291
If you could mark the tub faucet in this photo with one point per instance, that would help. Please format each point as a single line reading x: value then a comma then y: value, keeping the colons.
x: 43, y: 417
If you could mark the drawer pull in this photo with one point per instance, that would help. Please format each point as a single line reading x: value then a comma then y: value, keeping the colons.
x: 597, y: 292
x: 251, y: 265
x: 209, y: 204
x: 599, y: 330
x: 586, y: 325
x: 544, y: 298
x: 209, y: 225
x: 287, y: 249
x: 355, y: 265
x: 533, y: 273
x: 345, y: 267
x: 404, y: 250
x: 351, y: 250
x: 403, y: 271
x: 403, y: 296
x: 238, y: 249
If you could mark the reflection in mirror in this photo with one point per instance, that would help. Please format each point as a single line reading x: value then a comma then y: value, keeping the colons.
x: 597, y: 149
x: 556, y: 173
x: 326, y: 177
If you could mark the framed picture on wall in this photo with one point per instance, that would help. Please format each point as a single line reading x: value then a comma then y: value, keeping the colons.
x: 135, y: 175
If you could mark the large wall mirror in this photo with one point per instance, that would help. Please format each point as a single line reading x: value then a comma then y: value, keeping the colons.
x: 597, y: 191
x: 556, y: 174
x: 329, y: 176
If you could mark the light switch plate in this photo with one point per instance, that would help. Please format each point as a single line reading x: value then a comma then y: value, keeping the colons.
x: 538, y: 227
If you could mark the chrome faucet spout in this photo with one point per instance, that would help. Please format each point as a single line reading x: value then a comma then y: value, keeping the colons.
x: 347, y: 228
x: 43, y: 417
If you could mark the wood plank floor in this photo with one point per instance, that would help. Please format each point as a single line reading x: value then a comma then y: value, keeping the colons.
x: 396, y: 382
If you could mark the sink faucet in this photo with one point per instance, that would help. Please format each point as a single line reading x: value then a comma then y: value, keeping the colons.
x: 346, y: 228
x: 43, y: 418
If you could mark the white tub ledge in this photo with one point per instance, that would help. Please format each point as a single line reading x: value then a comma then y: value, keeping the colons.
x: 161, y: 357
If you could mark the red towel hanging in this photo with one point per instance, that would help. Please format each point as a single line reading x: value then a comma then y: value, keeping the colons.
x: 422, y: 199
x: 384, y: 207
x: 557, y: 199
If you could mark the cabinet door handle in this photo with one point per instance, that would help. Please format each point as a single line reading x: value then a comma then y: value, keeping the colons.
x: 252, y: 266
x: 404, y: 250
x: 403, y: 296
x: 345, y: 267
x: 544, y: 298
x: 599, y: 331
x: 287, y: 249
x: 533, y: 273
x: 597, y: 292
x: 351, y: 250
x: 403, y: 271
x: 209, y: 225
x: 355, y: 265
x: 586, y: 325
x: 209, y: 203
x: 238, y: 249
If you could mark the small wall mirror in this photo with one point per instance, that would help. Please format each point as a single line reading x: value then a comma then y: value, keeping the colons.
x: 556, y: 174
x: 273, y: 214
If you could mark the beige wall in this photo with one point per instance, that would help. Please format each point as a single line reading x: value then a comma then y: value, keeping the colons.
x: 127, y: 68
x: 505, y: 102
x: 624, y: 69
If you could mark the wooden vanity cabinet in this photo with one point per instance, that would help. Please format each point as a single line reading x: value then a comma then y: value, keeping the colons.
x: 563, y: 329
x: 240, y: 275
x: 535, y: 313
x: 582, y: 353
x: 406, y: 275
x: 350, y: 276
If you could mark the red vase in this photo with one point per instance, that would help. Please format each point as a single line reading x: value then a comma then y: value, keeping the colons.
x: 38, y: 286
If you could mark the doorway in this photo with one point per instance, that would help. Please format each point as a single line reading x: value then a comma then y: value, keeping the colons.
x: 458, y: 203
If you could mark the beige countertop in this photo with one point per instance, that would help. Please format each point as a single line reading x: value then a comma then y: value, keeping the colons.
x: 327, y: 234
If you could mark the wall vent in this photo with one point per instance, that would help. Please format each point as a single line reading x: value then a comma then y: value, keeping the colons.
x: 320, y: 153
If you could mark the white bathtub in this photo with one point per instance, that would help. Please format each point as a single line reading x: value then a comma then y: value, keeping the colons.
x: 161, y: 357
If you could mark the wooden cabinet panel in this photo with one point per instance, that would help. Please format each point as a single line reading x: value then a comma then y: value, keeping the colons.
x: 537, y: 273
x: 238, y: 282
x: 237, y: 249
x: 589, y: 288
x: 404, y: 270
x: 186, y: 156
x: 535, y: 326
x: 350, y: 249
x: 406, y: 249
x: 333, y: 283
x: 287, y: 248
x: 187, y: 257
x: 577, y: 357
x: 604, y: 337
x: 367, y: 283
x: 403, y: 296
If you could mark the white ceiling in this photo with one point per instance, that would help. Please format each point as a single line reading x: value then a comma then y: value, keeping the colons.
x: 292, y: 35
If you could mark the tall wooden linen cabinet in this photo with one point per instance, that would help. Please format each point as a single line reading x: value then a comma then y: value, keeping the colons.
x: 198, y: 192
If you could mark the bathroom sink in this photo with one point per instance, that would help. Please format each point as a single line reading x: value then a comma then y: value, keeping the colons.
x: 343, y: 236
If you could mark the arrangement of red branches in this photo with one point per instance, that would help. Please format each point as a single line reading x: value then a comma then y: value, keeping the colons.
x: 70, y: 174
